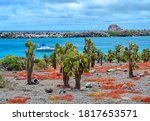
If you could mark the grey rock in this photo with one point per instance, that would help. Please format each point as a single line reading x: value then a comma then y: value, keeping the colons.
x: 88, y: 85
x: 111, y: 70
x: 114, y: 27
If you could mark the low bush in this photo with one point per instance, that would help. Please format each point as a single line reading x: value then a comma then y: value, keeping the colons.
x: 36, y: 60
x: 40, y: 65
x: 12, y: 63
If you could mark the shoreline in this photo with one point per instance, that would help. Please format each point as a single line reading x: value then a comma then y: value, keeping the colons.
x: 122, y: 33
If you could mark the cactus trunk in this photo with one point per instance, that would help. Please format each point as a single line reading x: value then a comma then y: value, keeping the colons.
x: 54, y: 61
x: 101, y: 60
x: 92, y: 62
x: 30, y: 64
x: 65, y: 79
x: 61, y: 69
x: 130, y: 68
x: 78, y: 79
x: 88, y: 63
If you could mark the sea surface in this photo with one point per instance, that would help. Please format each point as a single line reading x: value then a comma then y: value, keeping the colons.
x: 17, y: 46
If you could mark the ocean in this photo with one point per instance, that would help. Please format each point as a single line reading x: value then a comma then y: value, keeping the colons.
x: 17, y: 46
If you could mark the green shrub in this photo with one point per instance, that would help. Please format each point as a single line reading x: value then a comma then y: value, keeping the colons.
x: 12, y: 63
x: 36, y: 60
x: 42, y: 64
x: 113, y: 33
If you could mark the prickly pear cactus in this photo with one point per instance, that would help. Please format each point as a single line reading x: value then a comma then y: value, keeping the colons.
x: 118, y: 50
x: 146, y: 55
x: 90, y: 51
x: 110, y: 56
x: 75, y: 64
x: 30, y: 59
x: 133, y: 57
x: 100, y: 56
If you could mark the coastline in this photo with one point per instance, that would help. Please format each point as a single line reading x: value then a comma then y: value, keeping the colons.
x: 122, y: 33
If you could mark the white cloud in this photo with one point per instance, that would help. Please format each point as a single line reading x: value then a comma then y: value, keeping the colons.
x: 73, y: 12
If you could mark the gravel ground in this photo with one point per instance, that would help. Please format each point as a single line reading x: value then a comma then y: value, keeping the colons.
x: 39, y: 96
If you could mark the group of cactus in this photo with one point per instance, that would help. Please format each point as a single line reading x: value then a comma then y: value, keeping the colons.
x: 119, y: 55
x: 92, y: 53
x: 73, y: 64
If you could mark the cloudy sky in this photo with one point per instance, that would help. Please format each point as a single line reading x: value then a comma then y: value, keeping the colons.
x: 73, y: 14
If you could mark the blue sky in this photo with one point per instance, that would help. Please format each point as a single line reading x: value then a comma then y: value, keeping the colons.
x: 73, y: 14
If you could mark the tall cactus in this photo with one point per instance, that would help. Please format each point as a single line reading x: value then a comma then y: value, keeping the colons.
x: 60, y: 56
x: 30, y: 59
x: 110, y: 56
x: 118, y: 48
x: 132, y: 53
x: 146, y: 55
x: 93, y: 56
x: 46, y: 59
x: 53, y: 59
x: 90, y: 51
x: 75, y: 64
x: 100, y: 57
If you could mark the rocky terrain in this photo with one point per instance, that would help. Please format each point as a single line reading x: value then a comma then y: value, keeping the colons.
x: 90, y: 93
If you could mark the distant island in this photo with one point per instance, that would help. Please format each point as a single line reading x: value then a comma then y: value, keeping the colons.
x: 113, y: 31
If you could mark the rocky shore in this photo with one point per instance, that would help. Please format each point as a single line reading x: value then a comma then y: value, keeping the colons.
x: 113, y: 30
x: 122, y: 33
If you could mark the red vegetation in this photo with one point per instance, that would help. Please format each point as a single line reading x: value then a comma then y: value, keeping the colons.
x: 146, y: 73
x: 99, y: 79
x: 113, y: 95
x: 147, y: 84
x: 67, y: 97
x: 136, y: 98
x: 118, y: 86
x: 146, y: 99
x: 140, y: 98
x: 17, y: 100
x: 143, y: 66
x: 87, y: 74
x: 103, y: 69
x: 136, y: 78
x: 108, y: 82
x: 46, y: 74
x: 116, y: 94
x: 122, y: 91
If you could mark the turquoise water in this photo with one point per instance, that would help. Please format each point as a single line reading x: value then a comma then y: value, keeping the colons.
x: 16, y: 46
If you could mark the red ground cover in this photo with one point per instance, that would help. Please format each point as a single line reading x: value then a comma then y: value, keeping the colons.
x: 17, y: 100
x: 46, y: 74
x: 118, y: 86
x: 140, y: 98
x: 67, y: 97
x: 99, y: 79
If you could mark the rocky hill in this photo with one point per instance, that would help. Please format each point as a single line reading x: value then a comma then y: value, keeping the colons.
x: 114, y: 27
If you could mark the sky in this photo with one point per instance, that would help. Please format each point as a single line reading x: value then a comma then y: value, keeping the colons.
x: 51, y: 15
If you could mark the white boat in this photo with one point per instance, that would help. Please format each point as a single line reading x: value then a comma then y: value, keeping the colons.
x: 44, y: 48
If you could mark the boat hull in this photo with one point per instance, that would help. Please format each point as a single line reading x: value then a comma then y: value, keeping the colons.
x: 45, y: 50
